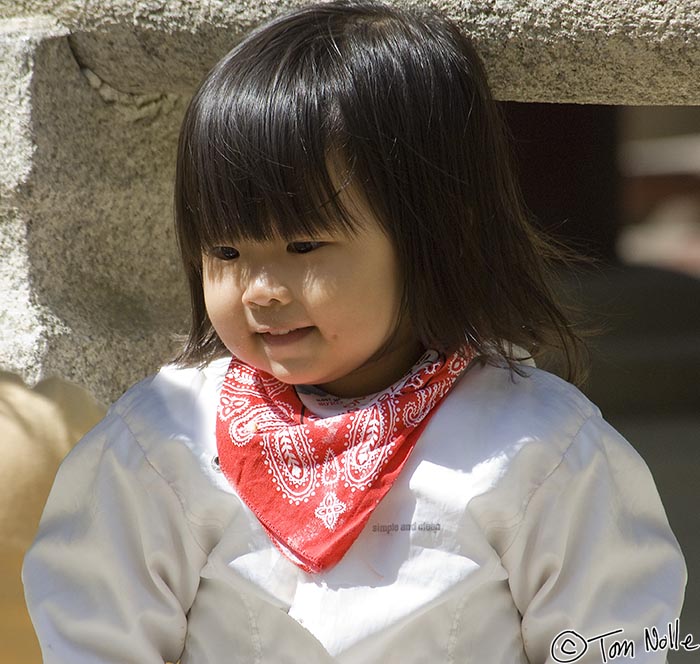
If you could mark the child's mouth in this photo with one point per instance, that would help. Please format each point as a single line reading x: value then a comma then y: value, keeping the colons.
x: 284, y: 337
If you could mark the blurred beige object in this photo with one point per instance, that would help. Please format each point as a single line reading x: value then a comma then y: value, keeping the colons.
x: 38, y: 427
x: 674, y: 155
x: 668, y: 238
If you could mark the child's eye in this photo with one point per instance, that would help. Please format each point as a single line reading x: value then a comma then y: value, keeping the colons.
x: 224, y: 253
x: 303, y: 247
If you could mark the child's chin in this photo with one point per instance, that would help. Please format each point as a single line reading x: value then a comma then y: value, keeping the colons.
x: 293, y: 375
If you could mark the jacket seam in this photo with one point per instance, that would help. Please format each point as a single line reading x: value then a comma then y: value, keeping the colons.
x: 534, y: 491
x: 457, y: 621
x: 165, y: 481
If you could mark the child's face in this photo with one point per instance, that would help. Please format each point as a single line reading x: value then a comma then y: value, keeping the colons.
x: 339, y: 295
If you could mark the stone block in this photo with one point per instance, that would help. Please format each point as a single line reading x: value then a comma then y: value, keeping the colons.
x: 90, y: 282
x: 91, y: 98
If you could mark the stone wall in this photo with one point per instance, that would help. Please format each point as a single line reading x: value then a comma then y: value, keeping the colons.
x: 91, y: 97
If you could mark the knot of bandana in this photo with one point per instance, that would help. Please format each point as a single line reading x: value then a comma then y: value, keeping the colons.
x: 313, y: 482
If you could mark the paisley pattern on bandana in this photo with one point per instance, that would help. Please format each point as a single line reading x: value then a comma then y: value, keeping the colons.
x: 313, y: 482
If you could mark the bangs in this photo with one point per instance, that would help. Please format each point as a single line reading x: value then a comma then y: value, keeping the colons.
x: 262, y: 153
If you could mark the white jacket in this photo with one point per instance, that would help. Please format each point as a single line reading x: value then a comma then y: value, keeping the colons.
x: 520, y: 514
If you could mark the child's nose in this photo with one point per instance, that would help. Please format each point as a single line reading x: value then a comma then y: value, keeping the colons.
x: 264, y: 290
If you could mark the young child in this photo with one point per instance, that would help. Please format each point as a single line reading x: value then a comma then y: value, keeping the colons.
x: 355, y: 459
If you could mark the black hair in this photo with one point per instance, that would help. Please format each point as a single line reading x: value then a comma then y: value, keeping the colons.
x: 398, y: 98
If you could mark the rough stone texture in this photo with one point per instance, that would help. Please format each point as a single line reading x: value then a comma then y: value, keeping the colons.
x: 90, y: 284
x: 91, y: 97
x: 587, y: 51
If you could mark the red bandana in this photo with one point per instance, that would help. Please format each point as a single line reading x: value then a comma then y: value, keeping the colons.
x: 313, y: 482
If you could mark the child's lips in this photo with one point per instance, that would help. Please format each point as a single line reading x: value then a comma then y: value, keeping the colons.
x: 284, y: 336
